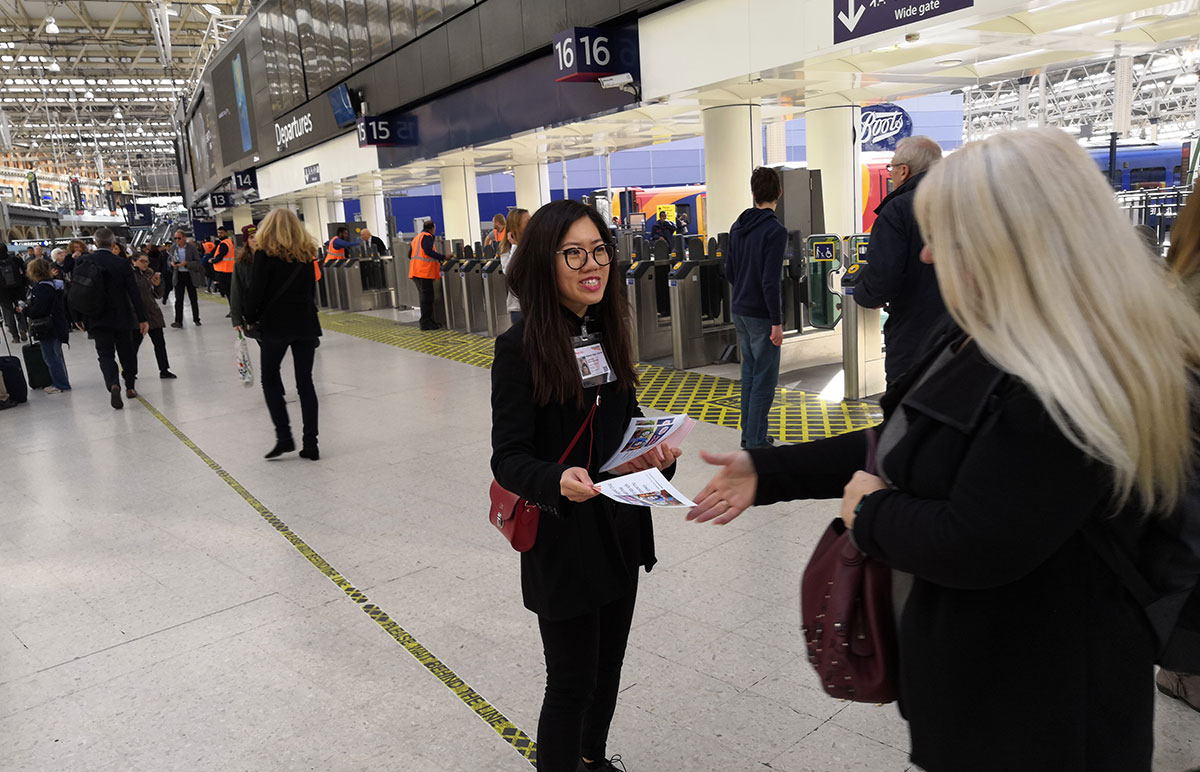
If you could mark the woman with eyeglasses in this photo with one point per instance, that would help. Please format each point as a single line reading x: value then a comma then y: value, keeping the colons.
x: 581, y: 575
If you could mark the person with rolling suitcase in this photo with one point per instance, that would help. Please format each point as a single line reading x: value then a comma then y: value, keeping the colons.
x: 48, y: 325
x: 12, y: 380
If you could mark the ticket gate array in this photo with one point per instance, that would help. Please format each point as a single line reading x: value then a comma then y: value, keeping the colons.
x: 702, y: 329
x: 651, y: 332
x: 362, y: 281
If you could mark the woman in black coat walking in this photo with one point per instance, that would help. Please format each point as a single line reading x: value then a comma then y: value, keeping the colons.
x: 281, y: 301
x: 580, y: 577
x: 1035, y: 425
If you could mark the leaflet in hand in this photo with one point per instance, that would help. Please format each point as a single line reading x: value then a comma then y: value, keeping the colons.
x: 646, y: 433
x: 647, y: 488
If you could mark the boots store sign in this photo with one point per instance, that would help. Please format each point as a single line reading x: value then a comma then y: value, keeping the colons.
x: 859, y: 18
x: 882, y: 126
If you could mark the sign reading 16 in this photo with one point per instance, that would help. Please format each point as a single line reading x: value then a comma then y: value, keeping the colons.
x: 595, y: 52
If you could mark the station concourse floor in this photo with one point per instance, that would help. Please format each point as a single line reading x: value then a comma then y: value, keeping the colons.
x: 171, y: 601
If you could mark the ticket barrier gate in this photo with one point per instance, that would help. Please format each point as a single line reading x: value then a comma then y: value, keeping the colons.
x: 699, y: 338
x: 470, y: 275
x: 364, y: 281
x: 452, y: 290
x: 862, y: 338
x: 405, y: 289
x: 325, y: 292
x: 823, y: 253
x: 495, y: 297
x: 333, y: 275
x: 795, y: 285
x: 651, y: 331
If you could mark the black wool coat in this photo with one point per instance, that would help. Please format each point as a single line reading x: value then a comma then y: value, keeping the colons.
x: 1020, y: 650
x: 587, y: 554
x: 896, y: 277
x: 286, y: 311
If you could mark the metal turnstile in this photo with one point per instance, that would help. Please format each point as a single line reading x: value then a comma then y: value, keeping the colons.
x: 651, y: 332
x: 823, y: 251
x: 326, y: 295
x: 475, y: 312
x: 452, y: 292
x: 699, y: 338
x: 333, y: 275
x: 495, y: 296
x: 795, y: 285
x: 406, y: 290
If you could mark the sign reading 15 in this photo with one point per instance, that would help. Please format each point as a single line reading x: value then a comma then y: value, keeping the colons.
x: 376, y: 130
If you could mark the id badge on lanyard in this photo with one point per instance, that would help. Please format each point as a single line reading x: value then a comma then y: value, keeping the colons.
x: 590, y: 359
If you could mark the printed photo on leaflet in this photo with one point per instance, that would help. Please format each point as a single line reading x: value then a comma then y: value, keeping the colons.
x: 647, y: 488
x: 644, y: 434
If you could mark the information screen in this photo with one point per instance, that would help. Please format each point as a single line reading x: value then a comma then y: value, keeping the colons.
x: 235, y: 111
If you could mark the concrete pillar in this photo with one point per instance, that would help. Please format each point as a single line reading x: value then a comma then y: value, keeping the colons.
x: 336, y: 209
x: 242, y: 218
x: 732, y: 150
x: 460, y: 203
x: 834, y: 147
x: 374, y: 210
x: 316, y: 216
x: 533, y: 185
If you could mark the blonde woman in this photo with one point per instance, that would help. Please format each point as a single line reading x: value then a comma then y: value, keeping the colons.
x: 1061, y: 399
x: 514, y: 226
x: 280, y: 300
x: 1184, y: 259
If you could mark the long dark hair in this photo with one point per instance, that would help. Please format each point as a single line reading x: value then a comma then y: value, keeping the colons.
x: 532, y: 277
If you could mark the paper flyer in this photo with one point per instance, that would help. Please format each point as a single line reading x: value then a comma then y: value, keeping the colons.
x: 646, y: 433
x: 647, y: 488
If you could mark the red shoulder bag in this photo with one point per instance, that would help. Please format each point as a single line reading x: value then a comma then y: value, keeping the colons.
x: 516, y: 517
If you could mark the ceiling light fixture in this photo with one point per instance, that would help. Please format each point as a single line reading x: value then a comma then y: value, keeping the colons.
x: 89, y: 94
x: 53, y: 66
x: 51, y: 27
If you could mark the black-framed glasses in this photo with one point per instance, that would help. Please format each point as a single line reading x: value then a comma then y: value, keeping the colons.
x: 576, y: 257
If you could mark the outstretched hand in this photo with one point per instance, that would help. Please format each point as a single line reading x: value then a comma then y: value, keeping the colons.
x: 730, y: 492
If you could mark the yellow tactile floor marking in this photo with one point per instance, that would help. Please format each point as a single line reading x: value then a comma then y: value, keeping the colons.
x: 796, y: 416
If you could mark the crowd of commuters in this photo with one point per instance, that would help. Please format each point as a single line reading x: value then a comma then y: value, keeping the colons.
x: 1017, y: 432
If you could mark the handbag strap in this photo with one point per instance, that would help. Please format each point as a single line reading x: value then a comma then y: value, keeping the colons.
x: 586, y: 423
x: 871, y: 465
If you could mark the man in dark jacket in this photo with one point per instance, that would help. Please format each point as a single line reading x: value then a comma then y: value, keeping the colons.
x: 754, y: 266
x: 122, y: 317
x: 12, y: 289
x: 894, y: 275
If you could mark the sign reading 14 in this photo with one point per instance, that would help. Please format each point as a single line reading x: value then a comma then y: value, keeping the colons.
x: 593, y: 48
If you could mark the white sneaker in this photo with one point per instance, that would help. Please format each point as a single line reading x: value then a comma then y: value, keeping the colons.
x: 52, y: 390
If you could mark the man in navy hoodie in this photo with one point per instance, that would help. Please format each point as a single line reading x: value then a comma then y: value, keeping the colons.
x: 754, y: 266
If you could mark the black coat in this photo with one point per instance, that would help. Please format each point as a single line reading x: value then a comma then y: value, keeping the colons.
x: 123, y: 307
x: 285, y: 313
x: 587, y: 554
x: 1019, y: 648
x: 895, y: 276
x: 16, y: 267
x: 45, y: 300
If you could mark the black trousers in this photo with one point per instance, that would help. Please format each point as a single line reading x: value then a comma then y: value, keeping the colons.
x: 224, y: 283
x: 183, y: 282
x: 425, y: 290
x: 303, y: 354
x: 16, y: 323
x: 166, y: 293
x: 583, y: 674
x: 114, y: 345
x: 160, y: 349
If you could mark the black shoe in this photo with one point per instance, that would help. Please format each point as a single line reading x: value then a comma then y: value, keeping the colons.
x: 131, y: 393
x: 281, y: 447
x: 177, y: 325
x: 197, y: 322
x: 167, y: 375
x: 603, y: 765
x: 115, y: 401
x: 310, y: 452
x: 6, y: 404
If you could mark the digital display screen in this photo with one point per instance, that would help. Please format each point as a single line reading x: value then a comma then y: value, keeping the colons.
x: 235, y: 113
x: 343, y: 108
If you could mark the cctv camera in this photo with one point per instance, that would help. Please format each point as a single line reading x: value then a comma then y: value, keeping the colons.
x: 616, y: 81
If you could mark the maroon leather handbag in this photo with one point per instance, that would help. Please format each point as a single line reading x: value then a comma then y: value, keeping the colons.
x: 847, y: 617
x: 516, y: 517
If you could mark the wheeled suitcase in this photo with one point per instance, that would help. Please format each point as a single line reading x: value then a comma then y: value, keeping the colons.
x: 35, y: 365
x: 14, y: 376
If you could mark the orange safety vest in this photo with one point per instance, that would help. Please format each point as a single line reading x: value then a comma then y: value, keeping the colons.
x: 209, y: 247
x: 225, y: 264
x: 423, y: 265
x: 498, y: 236
x: 317, y: 268
x: 332, y: 252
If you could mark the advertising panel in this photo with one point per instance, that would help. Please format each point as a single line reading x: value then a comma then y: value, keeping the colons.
x: 200, y: 144
x: 235, y: 110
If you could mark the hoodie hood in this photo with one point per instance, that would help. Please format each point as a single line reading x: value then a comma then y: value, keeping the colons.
x: 751, y: 219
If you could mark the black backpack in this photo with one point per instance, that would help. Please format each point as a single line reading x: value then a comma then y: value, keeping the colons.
x: 1165, y: 581
x: 10, y: 277
x: 87, y: 296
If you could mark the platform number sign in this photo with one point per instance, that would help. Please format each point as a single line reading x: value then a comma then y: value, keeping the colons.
x: 247, y: 180
x: 585, y: 54
x: 220, y: 200
x: 388, y: 131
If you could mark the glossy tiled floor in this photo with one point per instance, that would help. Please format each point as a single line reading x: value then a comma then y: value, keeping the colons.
x: 153, y: 618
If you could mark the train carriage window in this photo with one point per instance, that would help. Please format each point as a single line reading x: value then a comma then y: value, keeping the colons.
x: 1148, y: 177
x: 1177, y: 175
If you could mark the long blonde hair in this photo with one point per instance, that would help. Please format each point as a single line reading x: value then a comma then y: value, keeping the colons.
x: 1036, y: 260
x: 282, y: 235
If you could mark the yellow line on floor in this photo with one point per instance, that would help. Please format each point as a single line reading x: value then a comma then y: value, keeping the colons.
x: 489, y: 714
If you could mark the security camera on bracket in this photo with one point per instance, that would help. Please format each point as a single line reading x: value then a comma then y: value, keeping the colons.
x: 621, y: 81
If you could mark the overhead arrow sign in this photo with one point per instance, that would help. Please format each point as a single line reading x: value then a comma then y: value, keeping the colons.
x: 852, y: 20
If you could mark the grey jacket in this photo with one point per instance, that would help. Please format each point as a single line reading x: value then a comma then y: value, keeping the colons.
x: 192, y: 262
